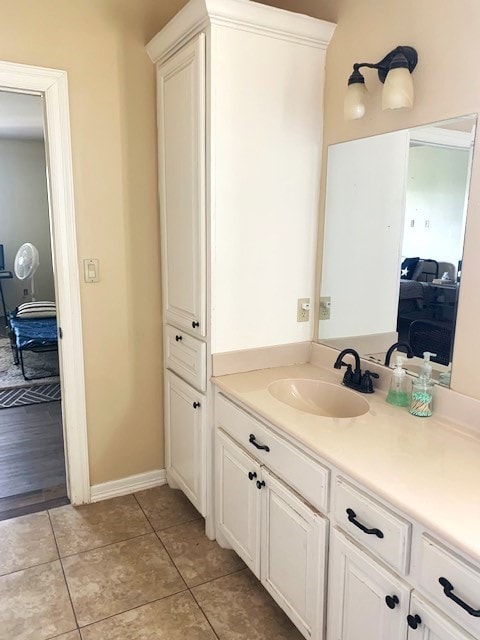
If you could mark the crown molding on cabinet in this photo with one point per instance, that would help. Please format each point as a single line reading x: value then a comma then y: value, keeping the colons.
x: 245, y: 15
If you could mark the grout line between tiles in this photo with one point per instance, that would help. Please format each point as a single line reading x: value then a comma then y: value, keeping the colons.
x: 172, y: 526
x: 224, y: 575
x: 65, y: 633
x: 200, y: 517
x: 63, y: 571
x: 102, y: 546
x: 205, y: 615
x: 138, y: 606
x: 172, y: 561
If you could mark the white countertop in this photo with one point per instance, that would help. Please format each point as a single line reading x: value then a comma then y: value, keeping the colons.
x: 427, y: 468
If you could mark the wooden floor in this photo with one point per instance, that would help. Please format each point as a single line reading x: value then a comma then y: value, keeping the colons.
x: 32, y: 462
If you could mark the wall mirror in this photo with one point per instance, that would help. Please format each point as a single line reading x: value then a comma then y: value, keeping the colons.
x: 395, y: 216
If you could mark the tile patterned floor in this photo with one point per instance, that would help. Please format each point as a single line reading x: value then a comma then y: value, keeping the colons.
x: 132, y: 568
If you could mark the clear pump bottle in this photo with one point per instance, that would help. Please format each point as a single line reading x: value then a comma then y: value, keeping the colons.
x: 422, y: 389
x: 398, y: 394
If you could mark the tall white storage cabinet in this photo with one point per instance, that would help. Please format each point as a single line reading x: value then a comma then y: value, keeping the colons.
x: 240, y: 99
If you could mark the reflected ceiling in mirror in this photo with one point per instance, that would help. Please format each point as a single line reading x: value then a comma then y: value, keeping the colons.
x: 395, y: 215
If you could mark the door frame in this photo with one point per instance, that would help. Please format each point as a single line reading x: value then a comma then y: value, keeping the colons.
x: 53, y: 86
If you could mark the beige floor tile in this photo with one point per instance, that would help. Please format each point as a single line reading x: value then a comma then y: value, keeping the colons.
x: 26, y: 542
x: 175, y: 618
x: 238, y: 607
x: 34, y: 604
x: 166, y: 507
x: 113, y: 579
x: 94, y: 525
x: 196, y: 557
x: 73, y: 635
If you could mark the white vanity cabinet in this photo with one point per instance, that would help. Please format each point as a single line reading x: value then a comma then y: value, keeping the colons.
x: 239, y: 113
x: 280, y: 537
x: 289, y: 515
x: 365, y: 600
x: 185, y: 441
x: 181, y: 136
x: 238, y: 500
x: 293, y: 555
x: 427, y: 623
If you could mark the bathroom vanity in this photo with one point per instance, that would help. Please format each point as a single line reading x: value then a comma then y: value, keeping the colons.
x: 359, y: 527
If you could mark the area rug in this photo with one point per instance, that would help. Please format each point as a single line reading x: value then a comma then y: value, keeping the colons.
x: 36, y: 364
x: 29, y: 395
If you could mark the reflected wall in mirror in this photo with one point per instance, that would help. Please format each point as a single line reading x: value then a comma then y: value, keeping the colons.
x: 395, y: 215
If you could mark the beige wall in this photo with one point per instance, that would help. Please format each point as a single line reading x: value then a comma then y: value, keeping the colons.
x: 112, y: 96
x: 445, y: 35
x: 323, y: 9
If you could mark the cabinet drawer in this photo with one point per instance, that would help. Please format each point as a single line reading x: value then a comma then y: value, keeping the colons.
x: 458, y: 593
x: 186, y: 356
x: 300, y: 471
x: 373, y: 525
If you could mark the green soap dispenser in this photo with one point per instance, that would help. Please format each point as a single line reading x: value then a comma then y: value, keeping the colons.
x: 422, y: 389
x: 398, y: 394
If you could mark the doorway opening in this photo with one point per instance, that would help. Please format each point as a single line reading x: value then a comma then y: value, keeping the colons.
x: 44, y: 337
x: 32, y: 469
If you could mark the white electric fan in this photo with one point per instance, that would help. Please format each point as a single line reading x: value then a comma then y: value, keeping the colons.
x: 26, y: 263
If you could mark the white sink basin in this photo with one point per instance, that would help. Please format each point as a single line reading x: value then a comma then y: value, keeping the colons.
x: 319, y: 398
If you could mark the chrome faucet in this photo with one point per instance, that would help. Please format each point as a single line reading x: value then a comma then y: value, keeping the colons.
x: 354, y: 379
x: 398, y: 346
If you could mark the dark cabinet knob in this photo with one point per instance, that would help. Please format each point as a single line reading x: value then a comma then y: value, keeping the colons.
x: 178, y: 338
x: 414, y: 621
x: 260, y: 484
x: 392, y: 601
x: 251, y: 475
x: 196, y: 405
x: 195, y: 324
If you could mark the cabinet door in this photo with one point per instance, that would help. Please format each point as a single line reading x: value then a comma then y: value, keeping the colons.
x: 181, y: 131
x: 185, y: 431
x: 360, y: 592
x: 238, y: 500
x: 426, y: 623
x: 293, y: 556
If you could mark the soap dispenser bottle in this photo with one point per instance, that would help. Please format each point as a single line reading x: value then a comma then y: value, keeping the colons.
x: 422, y: 389
x: 398, y: 394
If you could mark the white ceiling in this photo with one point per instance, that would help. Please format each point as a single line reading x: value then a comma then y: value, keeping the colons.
x: 21, y: 116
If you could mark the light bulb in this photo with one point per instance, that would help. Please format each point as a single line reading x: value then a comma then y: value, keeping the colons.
x: 354, y: 105
x: 398, y: 90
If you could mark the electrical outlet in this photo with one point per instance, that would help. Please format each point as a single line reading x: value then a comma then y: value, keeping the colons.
x: 303, y: 309
x: 325, y: 304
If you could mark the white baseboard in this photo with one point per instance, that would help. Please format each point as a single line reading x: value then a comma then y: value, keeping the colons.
x: 124, y: 486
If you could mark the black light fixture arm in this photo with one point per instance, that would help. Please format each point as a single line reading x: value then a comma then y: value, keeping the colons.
x: 402, y: 56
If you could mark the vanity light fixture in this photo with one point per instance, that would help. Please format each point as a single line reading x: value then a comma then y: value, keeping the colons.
x: 394, y: 71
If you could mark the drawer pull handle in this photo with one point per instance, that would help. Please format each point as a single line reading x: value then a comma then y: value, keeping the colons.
x: 251, y: 475
x: 448, y: 591
x: 178, y: 338
x: 253, y: 441
x: 373, y: 532
x: 195, y: 324
x: 391, y: 601
x: 260, y: 484
x: 414, y: 621
x: 196, y: 405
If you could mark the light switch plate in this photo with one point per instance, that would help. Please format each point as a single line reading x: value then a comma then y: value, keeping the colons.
x: 90, y: 270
